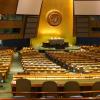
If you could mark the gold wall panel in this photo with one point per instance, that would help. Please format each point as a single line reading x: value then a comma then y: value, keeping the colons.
x: 63, y: 30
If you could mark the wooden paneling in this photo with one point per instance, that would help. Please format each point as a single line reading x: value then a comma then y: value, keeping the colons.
x: 87, y: 26
x: 8, y: 6
x: 11, y: 36
x: 31, y: 26
x: 82, y: 26
x: 10, y: 24
x: 11, y: 27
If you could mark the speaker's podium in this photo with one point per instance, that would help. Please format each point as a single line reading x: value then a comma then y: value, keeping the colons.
x: 57, y: 43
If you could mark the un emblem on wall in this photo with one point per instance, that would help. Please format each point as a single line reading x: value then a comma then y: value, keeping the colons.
x: 54, y: 18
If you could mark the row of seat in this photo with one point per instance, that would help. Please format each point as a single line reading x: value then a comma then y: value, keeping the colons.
x: 93, y: 52
x: 33, y: 62
x: 50, y: 89
x: 6, y: 56
x: 75, y: 61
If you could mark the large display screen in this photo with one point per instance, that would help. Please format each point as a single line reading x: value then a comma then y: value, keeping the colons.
x: 29, y: 7
x: 87, y: 7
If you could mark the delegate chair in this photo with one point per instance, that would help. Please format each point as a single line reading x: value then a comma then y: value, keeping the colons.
x: 23, y: 85
x: 96, y: 87
x: 49, y: 86
x: 71, y: 86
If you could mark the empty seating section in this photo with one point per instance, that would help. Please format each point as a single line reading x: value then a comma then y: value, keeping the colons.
x: 35, y: 62
x: 82, y: 62
x: 81, y: 67
x: 6, y: 56
x: 77, y: 65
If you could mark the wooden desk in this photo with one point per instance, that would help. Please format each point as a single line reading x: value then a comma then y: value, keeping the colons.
x: 37, y: 79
